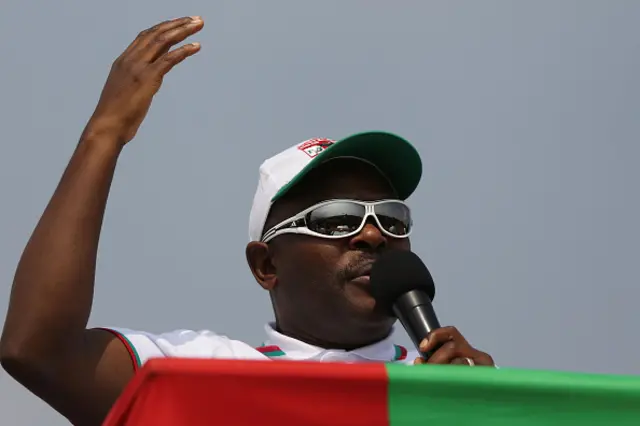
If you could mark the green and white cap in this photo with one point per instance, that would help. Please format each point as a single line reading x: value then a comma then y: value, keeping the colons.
x: 395, y: 157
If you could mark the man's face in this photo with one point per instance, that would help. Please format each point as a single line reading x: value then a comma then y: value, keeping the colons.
x: 318, y: 287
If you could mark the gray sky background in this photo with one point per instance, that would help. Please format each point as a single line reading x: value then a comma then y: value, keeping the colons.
x: 525, y: 113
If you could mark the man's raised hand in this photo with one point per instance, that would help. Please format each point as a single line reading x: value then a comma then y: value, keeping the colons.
x: 137, y: 75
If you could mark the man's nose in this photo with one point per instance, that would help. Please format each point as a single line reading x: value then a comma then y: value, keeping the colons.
x: 370, y: 238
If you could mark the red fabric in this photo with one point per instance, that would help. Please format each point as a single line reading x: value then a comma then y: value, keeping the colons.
x: 173, y: 392
x: 272, y: 348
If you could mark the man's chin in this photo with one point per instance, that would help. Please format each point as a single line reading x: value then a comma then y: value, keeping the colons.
x: 360, y: 297
x: 375, y: 324
x: 366, y: 308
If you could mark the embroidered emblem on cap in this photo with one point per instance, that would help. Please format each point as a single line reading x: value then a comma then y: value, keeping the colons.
x: 313, y: 147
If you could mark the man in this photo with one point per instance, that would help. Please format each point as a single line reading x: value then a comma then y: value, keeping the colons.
x: 322, y: 213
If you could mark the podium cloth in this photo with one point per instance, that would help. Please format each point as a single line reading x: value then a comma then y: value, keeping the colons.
x: 233, y: 392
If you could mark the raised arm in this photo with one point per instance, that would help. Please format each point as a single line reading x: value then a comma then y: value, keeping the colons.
x: 45, y: 344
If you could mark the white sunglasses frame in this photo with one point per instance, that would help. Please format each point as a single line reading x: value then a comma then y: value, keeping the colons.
x: 303, y: 230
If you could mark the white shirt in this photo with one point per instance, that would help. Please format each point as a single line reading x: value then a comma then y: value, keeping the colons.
x: 207, y: 344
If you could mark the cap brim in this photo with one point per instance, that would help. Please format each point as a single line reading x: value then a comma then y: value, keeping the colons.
x: 394, y: 156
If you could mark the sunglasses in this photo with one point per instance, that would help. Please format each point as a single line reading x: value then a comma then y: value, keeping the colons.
x: 346, y: 218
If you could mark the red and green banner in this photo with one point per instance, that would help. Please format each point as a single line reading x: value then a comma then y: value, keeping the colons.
x: 282, y: 393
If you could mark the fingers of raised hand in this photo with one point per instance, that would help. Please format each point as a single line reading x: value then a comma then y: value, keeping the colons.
x: 157, y: 42
x: 149, y: 55
x: 173, y: 58
x: 153, y: 42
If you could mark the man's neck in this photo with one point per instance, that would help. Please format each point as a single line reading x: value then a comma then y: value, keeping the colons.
x: 348, y: 343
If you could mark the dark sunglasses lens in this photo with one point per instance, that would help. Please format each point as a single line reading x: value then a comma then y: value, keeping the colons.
x: 336, y: 219
x: 394, y: 217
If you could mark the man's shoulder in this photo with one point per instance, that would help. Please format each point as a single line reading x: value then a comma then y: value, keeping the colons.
x: 182, y: 343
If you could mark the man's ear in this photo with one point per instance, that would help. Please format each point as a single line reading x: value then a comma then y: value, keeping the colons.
x: 261, y: 265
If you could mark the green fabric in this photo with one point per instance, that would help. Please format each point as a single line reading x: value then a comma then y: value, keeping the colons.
x: 273, y: 353
x: 396, y: 158
x: 451, y: 395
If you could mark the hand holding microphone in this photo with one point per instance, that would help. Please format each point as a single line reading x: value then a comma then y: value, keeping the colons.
x: 402, y: 286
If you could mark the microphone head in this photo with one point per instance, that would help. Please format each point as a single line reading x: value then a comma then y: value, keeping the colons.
x: 396, y: 273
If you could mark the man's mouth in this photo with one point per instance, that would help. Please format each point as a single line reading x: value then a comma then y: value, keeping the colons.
x: 361, y: 275
x: 362, y: 280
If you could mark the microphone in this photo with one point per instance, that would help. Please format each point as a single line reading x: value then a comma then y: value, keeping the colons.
x: 403, y: 287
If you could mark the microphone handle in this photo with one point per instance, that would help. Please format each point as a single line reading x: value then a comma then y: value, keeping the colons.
x: 416, y: 314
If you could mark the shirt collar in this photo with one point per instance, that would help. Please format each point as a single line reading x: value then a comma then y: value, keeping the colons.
x: 285, y: 347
